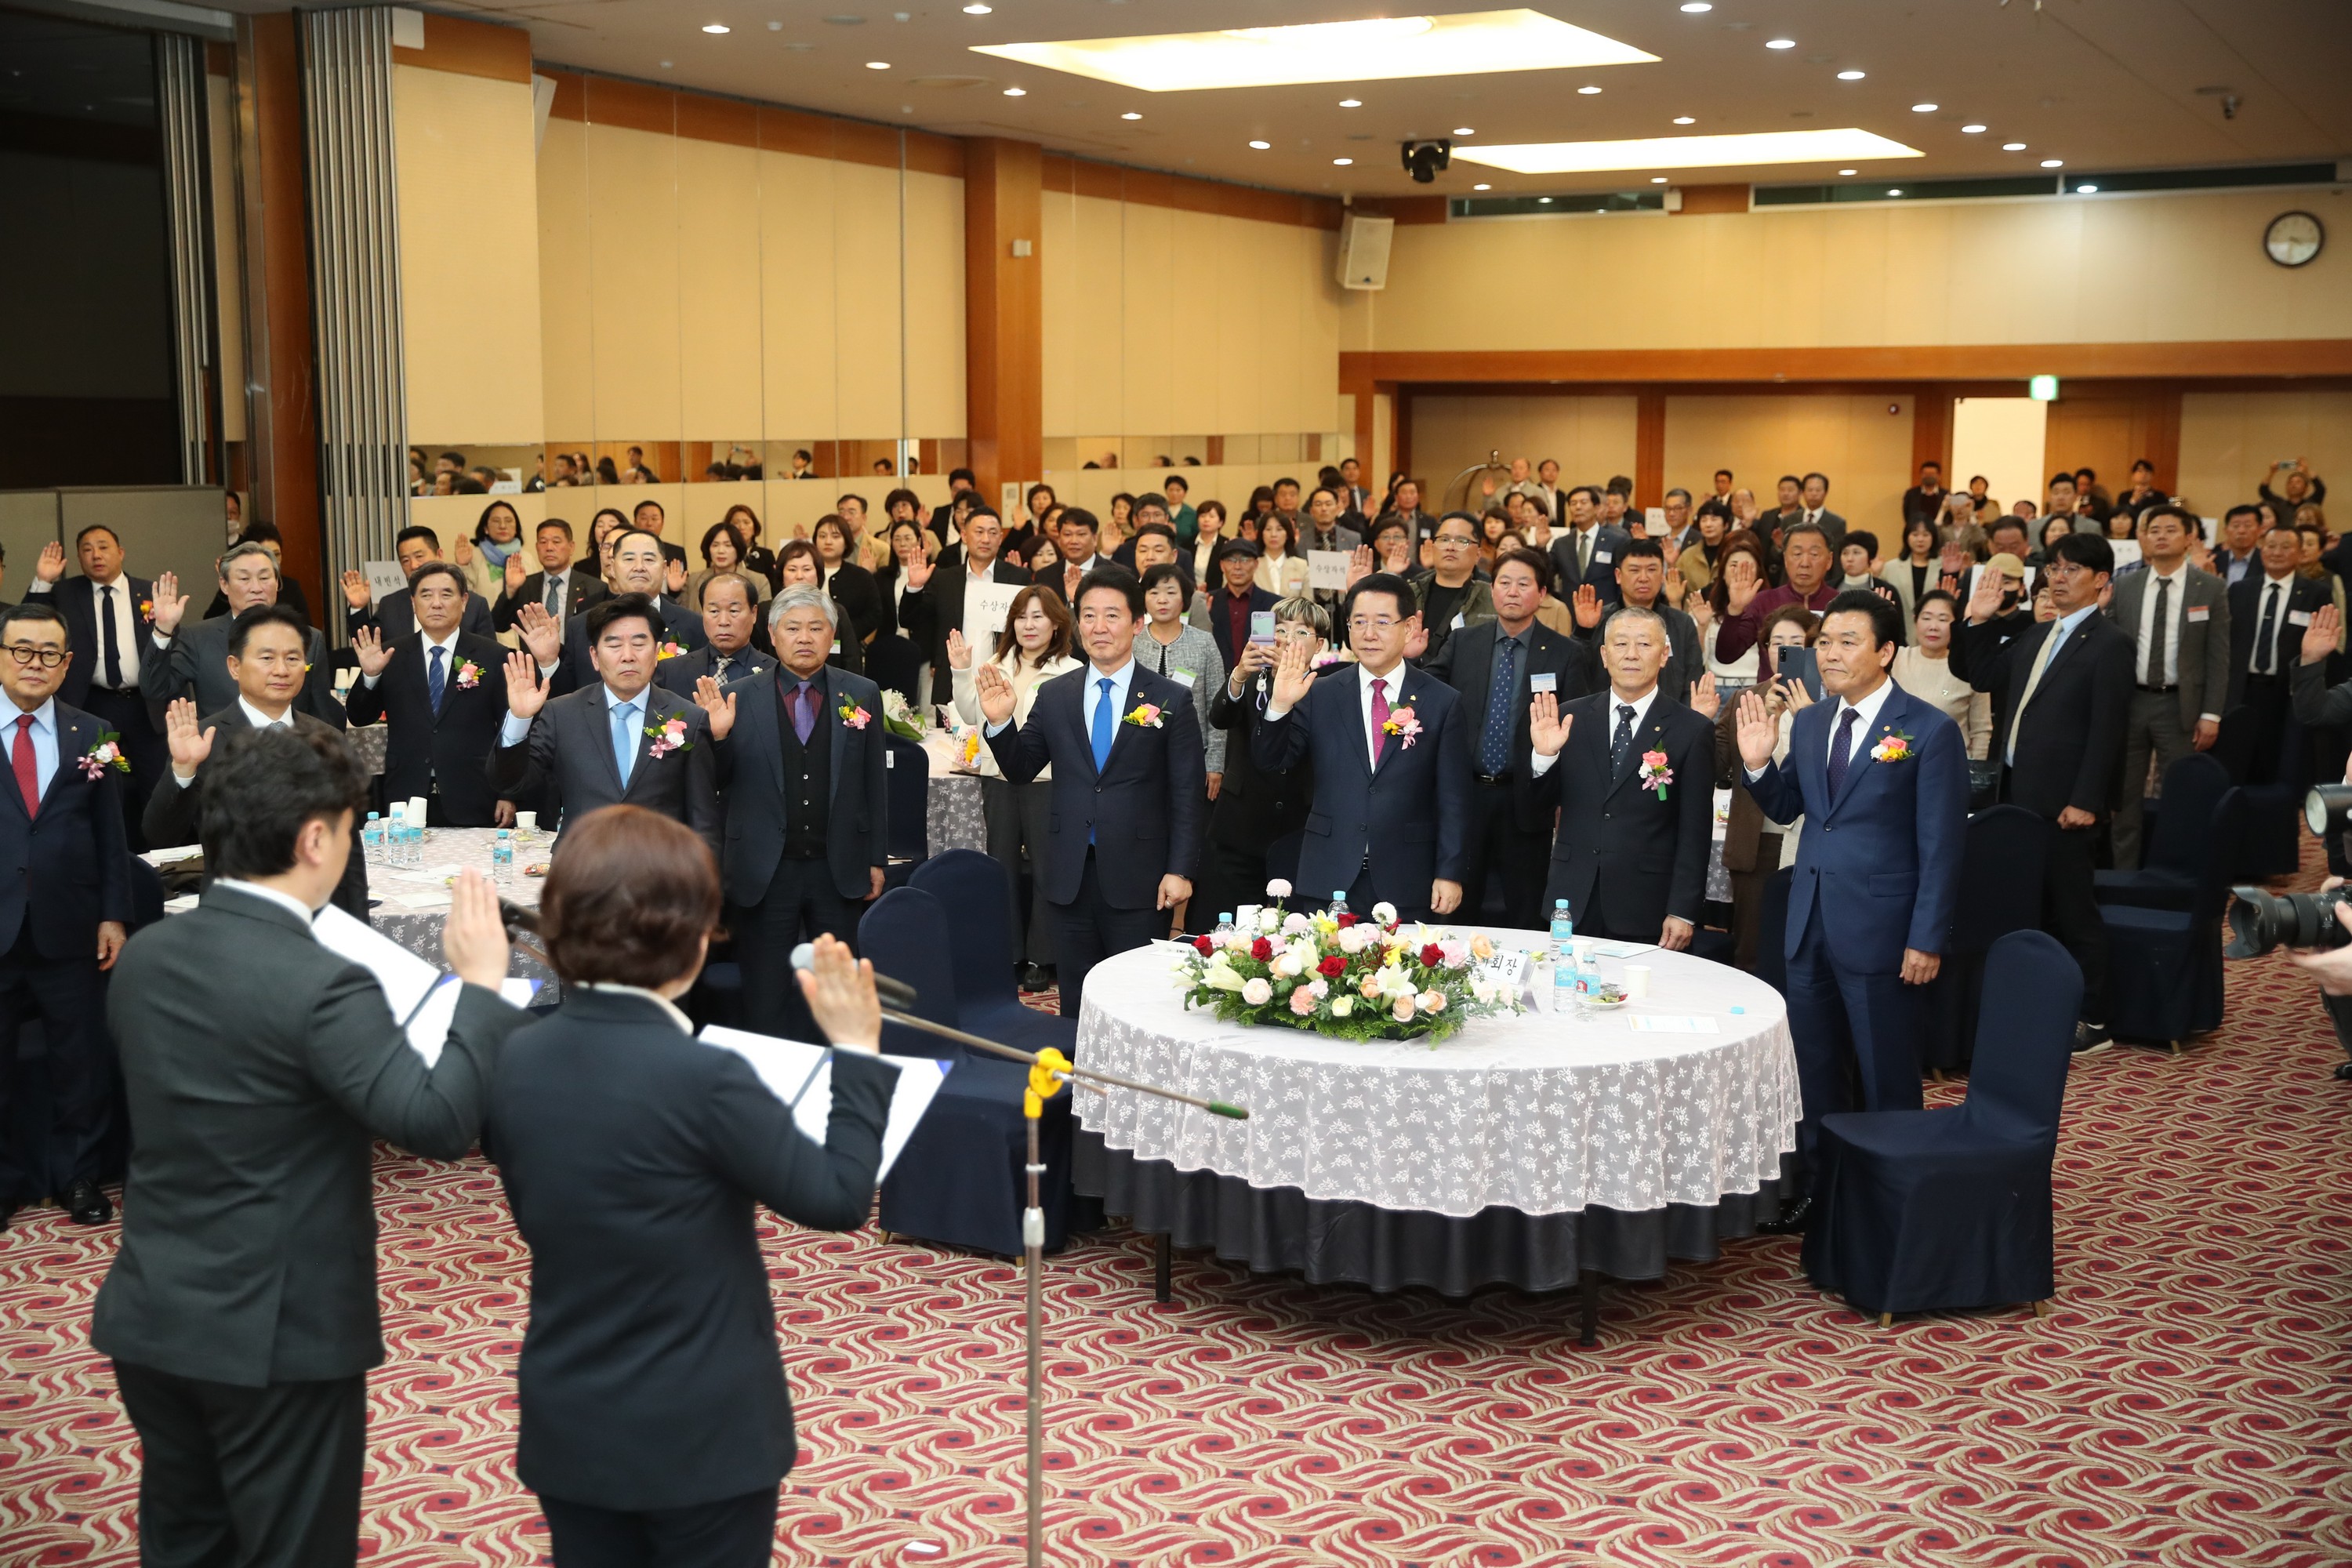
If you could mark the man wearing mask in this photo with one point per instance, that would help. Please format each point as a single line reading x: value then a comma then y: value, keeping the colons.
x: 192, y: 661
x: 983, y: 536
x: 1923, y: 501
x: 556, y: 588
x: 1640, y: 584
x: 638, y: 567
x: 801, y: 754
x: 438, y: 691
x: 730, y: 617
x: 108, y: 616
x: 1805, y: 558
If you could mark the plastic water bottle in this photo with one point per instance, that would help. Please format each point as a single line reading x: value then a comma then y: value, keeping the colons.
x: 1224, y: 932
x: 371, y: 839
x: 412, y: 842
x: 503, y: 851
x: 1564, y: 976
x: 1339, y: 904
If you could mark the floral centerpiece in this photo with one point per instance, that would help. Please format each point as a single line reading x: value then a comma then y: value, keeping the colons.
x: 1344, y: 975
x: 899, y: 719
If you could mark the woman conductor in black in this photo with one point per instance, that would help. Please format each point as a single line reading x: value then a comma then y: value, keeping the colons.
x: 656, y: 1427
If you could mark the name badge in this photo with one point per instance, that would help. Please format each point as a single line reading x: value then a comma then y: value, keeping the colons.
x: 1545, y: 681
x: 2298, y: 617
x: 1186, y: 676
x: 1602, y: 557
x: 1459, y: 623
x: 2200, y: 612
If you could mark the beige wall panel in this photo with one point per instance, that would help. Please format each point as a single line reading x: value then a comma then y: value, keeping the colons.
x: 228, y: 253
x: 1319, y: 342
x: 632, y: 281
x: 1190, y: 374
x: 718, y: 259
x: 566, y: 330
x: 469, y: 289
x: 865, y: 301
x: 798, y: 335
x: 1146, y: 311
x: 1863, y: 449
x: 2230, y: 440
x: 1593, y: 437
x: 1240, y: 330
x: 1276, y: 281
x: 1057, y: 287
x: 1100, y: 316
x: 935, y: 303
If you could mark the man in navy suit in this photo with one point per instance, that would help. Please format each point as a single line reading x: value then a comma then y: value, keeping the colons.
x: 1391, y: 752
x: 444, y: 694
x: 1586, y: 550
x: 415, y: 548
x: 1881, y: 781
x: 110, y: 615
x: 1131, y: 787
x: 64, y: 916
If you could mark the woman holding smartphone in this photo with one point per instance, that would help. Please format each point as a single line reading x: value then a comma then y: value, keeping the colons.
x: 1754, y: 846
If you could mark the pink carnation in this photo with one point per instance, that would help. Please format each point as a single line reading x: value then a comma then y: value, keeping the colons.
x: 1302, y: 1001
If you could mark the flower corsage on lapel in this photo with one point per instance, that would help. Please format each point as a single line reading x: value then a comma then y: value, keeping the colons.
x: 853, y: 716
x: 668, y: 650
x: 1402, y: 723
x: 147, y: 610
x: 668, y: 736
x: 107, y: 753
x: 1894, y: 746
x: 1144, y: 716
x: 1655, y: 773
x: 469, y: 675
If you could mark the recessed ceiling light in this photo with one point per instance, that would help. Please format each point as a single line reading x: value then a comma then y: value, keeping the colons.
x: 1688, y: 152
x: 1848, y: 171
x: 1657, y: 179
x: 1971, y: 129
x: 1924, y: 108
x: 1588, y: 92
x: 1543, y: 201
x: 1482, y: 187
x: 715, y: 27
x: 1385, y: 48
x: 1130, y: 114
x: 1341, y: 162
x: 1351, y: 103
x: 977, y: 9
x: 2086, y: 190
x: 1260, y: 147
x: 2012, y: 146
x: 1780, y: 43
x: 1894, y: 193
x: 1685, y: 120
x: 1697, y: 7
x: 1466, y: 130
x: 775, y: 27
x: 2054, y: 162
x: 1016, y: 92
x: 1849, y: 75
x: 878, y: 65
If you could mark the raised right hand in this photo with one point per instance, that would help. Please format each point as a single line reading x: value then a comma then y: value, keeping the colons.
x: 473, y: 937
x: 838, y: 986
x: 720, y: 705
x: 1758, y: 731
x: 1360, y: 564
x: 1740, y: 583
x: 52, y: 563
x: 526, y: 692
x: 1294, y: 677
x: 356, y: 591
x: 367, y: 645
x: 1704, y: 701
x: 1587, y: 605
x: 997, y: 699
x: 959, y: 650
x: 2319, y: 638
x: 1547, y: 727
x: 1984, y: 598
x: 515, y: 573
x: 170, y: 604
x: 189, y: 748
x: 539, y: 633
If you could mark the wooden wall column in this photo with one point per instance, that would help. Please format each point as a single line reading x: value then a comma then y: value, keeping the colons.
x: 283, y: 418
x: 1650, y: 448
x: 1005, y: 355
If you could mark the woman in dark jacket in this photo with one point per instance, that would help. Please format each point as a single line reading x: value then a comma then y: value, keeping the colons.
x: 636, y: 1160
x: 851, y: 585
x: 896, y: 654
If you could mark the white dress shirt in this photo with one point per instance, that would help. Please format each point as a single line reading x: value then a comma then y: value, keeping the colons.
x: 1090, y: 698
x: 126, y: 631
x: 2149, y: 634
x: 45, y: 742
x: 448, y: 646
x: 1364, y: 678
x: 2271, y: 599
x: 283, y: 900
x: 1541, y: 765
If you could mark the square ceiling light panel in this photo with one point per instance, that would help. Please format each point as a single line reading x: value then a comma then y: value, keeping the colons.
x: 1686, y: 152
x: 1376, y: 49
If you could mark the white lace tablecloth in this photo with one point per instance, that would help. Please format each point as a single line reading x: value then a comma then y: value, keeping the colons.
x: 1542, y: 1113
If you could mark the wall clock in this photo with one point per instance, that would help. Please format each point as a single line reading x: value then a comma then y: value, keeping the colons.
x: 2292, y: 238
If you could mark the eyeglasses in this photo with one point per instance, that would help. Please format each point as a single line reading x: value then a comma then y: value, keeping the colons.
x: 1361, y: 624
x: 1454, y: 539
x: 46, y: 657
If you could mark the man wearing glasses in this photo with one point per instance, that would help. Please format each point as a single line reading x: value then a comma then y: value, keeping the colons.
x: 1451, y: 596
x: 1392, y: 763
x: 63, y: 914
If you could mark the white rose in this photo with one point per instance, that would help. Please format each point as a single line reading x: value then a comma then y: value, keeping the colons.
x: 1269, y: 921
x: 1257, y: 993
x: 1277, y: 889
x: 1284, y: 965
x: 1352, y: 938
x: 1342, y: 1005
x: 1384, y: 914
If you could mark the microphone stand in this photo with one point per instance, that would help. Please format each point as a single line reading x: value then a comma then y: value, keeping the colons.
x: 1048, y: 1071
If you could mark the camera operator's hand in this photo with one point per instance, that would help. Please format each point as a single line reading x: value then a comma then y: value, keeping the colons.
x: 2331, y: 966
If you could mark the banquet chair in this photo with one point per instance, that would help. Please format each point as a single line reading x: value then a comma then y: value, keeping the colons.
x: 1772, y: 930
x: 2001, y: 891
x: 907, y: 782
x: 2270, y: 831
x: 1950, y: 1210
x: 978, y: 890
x: 2180, y: 829
x: 961, y: 1179
x: 2164, y: 966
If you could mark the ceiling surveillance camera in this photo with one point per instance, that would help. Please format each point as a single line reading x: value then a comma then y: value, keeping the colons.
x: 1425, y: 159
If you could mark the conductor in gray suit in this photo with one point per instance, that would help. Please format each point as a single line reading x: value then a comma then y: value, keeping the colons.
x: 240, y: 1311
x: 2178, y: 620
x: 193, y: 660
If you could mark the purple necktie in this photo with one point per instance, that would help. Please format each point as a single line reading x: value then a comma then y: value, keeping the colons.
x: 805, y: 712
x: 1842, y: 751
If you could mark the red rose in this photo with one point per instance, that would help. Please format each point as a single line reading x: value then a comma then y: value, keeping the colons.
x: 1333, y: 966
x: 1205, y: 945
x: 1431, y: 956
x: 1346, y: 920
x: 1262, y: 950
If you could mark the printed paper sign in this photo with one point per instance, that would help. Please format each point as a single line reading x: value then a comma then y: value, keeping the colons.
x: 384, y: 578
x: 1326, y: 569
x: 986, y: 608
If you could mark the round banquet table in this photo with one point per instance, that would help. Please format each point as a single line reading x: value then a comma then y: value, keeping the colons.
x: 411, y: 902
x: 1522, y: 1150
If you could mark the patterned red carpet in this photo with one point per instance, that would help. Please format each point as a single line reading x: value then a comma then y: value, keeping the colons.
x: 2185, y: 1404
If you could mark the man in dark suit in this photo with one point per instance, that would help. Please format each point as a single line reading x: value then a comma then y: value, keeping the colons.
x: 2271, y: 608
x: 2068, y: 684
x: 441, y: 692
x: 1586, y: 551
x: 730, y: 614
x: 192, y: 662
x: 1641, y: 583
x: 1226, y: 609
x: 1632, y: 772
x: 395, y: 618
x: 943, y: 594
x: 557, y: 587
x: 619, y: 739
x: 264, y: 659
x: 1814, y: 493
x: 1391, y: 755
x: 2178, y: 620
x: 2239, y: 554
x: 240, y: 1311
x: 637, y: 568
x: 1079, y: 536
x: 110, y: 616
x: 1497, y: 666
x: 1881, y: 781
x: 63, y: 914
x: 801, y: 756
x: 1130, y: 783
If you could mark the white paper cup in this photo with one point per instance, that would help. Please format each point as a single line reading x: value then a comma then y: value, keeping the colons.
x: 1637, y: 981
x: 527, y: 821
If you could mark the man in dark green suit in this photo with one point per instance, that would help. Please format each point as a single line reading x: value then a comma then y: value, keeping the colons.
x: 240, y: 1312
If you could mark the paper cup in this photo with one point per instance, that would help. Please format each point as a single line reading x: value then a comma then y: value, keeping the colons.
x: 527, y: 821
x: 1637, y: 981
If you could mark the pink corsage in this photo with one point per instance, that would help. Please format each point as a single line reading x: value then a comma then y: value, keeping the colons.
x: 107, y: 753
x: 1655, y: 773
x: 1895, y: 746
x: 853, y: 716
x: 668, y: 650
x: 469, y: 675
x: 1402, y: 723
x: 668, y: 737
x: 1145, y: 716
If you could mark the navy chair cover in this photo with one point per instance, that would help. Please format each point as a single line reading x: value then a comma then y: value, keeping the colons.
x: 2001, y: 891
x: 2180, y: 827
x: 961, y: 1179
x: 2164, y: 966
x: 908, y: 781
x: 980, y: 891
x: 1948, y: 1210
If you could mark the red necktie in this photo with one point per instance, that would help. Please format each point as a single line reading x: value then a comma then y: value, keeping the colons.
x: 1380, y: 718
x: 20, y: 757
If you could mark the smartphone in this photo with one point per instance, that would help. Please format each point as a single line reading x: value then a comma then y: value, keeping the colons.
x: 1798, y: 664
x: 1261, y: 626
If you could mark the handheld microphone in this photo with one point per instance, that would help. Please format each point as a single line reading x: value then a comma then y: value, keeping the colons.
x: 894, y: 993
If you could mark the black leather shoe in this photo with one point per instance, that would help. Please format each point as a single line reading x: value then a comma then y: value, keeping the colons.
x: 87, y: 1204
x: 2090, y: 1039
x: 1035, y: 977
x: 2344, y: 1072
x: 1794, y: 1222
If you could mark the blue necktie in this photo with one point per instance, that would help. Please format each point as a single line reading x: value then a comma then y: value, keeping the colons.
x: 1105, y: 727
x: 1495, y: 741
x: 1842, y: 751
x: 434, y: 679
x: 624, y: 740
